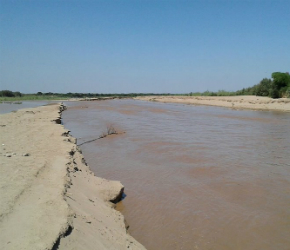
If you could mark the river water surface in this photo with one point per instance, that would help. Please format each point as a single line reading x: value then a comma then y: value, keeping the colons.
x: 7, y: 107
x: 195, y: 177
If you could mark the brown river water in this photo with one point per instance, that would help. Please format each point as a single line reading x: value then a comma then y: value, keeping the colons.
x: 195, y: 177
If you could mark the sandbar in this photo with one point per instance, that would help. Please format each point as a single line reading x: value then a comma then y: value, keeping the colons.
x: 234, y: 102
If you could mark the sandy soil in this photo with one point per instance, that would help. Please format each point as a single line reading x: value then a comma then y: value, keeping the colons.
x: 49, y: 198
x: 235, y: 102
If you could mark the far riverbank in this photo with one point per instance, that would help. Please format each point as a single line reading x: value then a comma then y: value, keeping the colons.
x: 234, y: 102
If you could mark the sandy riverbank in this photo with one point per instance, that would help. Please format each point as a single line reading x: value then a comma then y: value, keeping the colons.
x: 49, y: 198
x: 235, y: 102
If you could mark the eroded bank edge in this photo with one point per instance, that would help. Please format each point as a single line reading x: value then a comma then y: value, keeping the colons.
x: 75, y: 164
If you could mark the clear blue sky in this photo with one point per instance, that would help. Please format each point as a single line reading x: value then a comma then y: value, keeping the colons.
x: 141, y: 46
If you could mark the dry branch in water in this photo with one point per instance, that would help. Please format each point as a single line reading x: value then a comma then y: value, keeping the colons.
x: 110, y: 131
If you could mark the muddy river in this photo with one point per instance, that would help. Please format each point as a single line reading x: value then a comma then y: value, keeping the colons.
x: 195, y: 177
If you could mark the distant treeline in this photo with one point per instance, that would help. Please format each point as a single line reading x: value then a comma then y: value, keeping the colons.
x: 92, y: 95
x: 50, y: 95
x: 277, y: 87
x: 8, y: 93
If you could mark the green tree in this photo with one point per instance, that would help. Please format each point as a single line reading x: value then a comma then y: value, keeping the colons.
x: 7, y: 93
x: 281, y: 84
x: 263, y: 88
x: 281, y: 79
x: 17, y: 93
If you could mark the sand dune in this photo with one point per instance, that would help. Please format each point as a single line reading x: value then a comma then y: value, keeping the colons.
x: 49, y: 198
x: 235, y: 102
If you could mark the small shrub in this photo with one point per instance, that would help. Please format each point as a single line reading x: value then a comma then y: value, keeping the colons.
x: 111, y: 130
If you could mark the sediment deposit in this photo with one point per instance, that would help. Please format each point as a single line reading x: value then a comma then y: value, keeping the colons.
x: 235, y: 102
x: 49, y: 198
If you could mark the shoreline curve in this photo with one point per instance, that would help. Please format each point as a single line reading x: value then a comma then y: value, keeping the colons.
x: 49, y: 198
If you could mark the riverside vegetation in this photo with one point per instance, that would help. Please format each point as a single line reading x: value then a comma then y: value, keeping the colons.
x: 276, y: 87
x: 8, y: 95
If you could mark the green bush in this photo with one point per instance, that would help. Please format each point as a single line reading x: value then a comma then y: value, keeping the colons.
x: 8, y: 93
